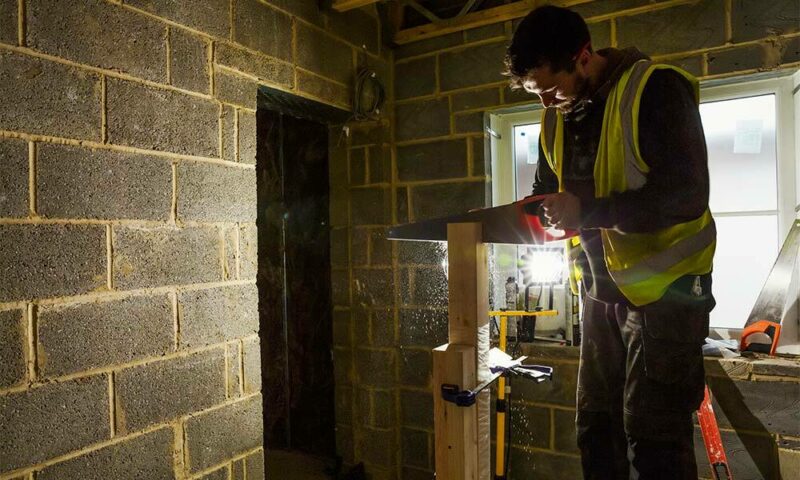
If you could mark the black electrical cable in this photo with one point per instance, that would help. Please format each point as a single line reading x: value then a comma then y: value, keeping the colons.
x: 508, y: 429
x: 515, y: 348
x: 369, y: 95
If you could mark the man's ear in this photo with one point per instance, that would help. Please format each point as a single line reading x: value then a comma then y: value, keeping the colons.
x: 585, y: 56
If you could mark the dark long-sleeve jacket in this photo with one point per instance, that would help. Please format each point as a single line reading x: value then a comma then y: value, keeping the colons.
x: 673, y: 146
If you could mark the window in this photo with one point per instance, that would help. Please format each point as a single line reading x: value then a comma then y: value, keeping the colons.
x: 516, y: 138
x: 526, y: 157
x: 749, y: 134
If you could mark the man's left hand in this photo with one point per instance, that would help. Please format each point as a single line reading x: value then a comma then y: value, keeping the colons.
x: 563, y: 210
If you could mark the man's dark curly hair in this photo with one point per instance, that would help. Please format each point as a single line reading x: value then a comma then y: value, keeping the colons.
x: 549, y: 36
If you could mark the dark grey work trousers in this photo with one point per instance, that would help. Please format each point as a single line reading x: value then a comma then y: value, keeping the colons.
x: 640, y: 379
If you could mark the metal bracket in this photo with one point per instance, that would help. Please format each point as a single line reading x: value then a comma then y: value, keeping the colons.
x: 466, y: 398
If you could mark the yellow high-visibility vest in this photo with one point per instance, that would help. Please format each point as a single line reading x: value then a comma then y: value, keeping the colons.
x: 642, y: 265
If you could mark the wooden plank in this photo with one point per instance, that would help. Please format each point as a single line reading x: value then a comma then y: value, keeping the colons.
x: 345, y: 5
x: 475, y: 19
x: 455, y: 428
x: 463, y: 444
x: 468, y: 304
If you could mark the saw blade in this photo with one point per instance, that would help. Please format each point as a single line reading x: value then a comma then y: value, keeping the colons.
x: 518, y: 223
x: 774, y: 297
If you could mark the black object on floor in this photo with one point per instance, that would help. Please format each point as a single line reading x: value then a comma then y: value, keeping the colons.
x: 355, y: 473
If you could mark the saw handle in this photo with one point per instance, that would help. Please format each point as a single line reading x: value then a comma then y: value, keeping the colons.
x: 534, y: 216
x: 770, y: 329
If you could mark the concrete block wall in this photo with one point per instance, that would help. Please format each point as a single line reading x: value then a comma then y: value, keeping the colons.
x: 364, y: 289
x: 542, y: 418
x: 128, y: 306
x: 428, y: 160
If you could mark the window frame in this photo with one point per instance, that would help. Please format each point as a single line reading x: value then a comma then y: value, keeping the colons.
x: 503, y: 172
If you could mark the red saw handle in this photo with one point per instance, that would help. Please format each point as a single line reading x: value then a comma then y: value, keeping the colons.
x: 532, y: 216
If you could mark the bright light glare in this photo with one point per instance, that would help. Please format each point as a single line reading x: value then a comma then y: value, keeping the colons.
x: 556, y: 232
x: 542, y: 266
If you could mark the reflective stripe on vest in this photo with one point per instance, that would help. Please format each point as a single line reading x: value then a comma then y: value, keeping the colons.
x: 642, y: 265
x: 666, y: 259
x: 634, y: 170
x: 574, y: 252
x: 553, y: 126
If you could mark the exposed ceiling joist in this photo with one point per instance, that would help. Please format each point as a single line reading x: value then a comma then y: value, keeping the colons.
x: 396, y: 14
x: 422, y: 10
x: 345, y: 5
x: 474, y: 20
x: 467, y: 7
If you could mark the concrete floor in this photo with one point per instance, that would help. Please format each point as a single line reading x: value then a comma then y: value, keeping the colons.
x: 296, y: 466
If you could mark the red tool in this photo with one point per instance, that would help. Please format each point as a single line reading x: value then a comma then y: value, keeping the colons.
x: 764, y: 327
x: 713, y: 440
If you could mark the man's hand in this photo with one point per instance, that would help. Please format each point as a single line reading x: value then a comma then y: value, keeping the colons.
x: 563, y: 210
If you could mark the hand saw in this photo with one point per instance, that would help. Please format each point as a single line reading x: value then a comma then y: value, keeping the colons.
x: 519, y: 223
x: 768, y: 311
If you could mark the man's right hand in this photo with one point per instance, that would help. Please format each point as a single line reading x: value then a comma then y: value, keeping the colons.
x: 563, y: 210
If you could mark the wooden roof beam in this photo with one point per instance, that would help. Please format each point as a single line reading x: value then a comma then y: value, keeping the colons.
x: 480, y: 18
x: 467, y: 7
x: 422, y: 10
x: 345, y: 5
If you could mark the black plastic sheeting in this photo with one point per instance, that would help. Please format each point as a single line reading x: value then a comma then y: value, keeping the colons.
x: 295, y: 303
x: 299, y: 107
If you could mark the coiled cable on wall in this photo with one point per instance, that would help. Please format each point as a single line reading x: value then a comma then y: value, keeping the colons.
x: 369, y: 95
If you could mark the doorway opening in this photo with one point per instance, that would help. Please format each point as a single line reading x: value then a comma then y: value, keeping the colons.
x: 294, y: 278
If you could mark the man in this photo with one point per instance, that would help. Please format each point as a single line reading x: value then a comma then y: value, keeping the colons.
x: 623, y: 151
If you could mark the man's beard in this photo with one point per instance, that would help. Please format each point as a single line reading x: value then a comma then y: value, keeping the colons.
x: 576, y: 102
